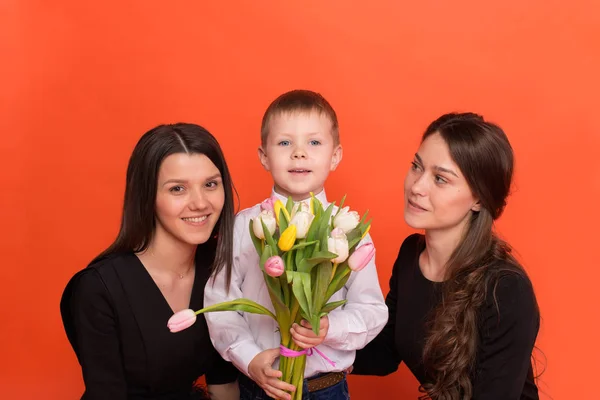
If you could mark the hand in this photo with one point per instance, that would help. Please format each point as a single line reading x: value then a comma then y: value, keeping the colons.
x: 305, y: 337
x: 348, y: 370
x: 261, y: 371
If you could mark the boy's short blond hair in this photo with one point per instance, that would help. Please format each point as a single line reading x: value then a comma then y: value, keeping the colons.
x: 300, y: 101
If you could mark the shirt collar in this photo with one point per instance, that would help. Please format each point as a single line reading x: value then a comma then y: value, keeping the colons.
x: 321, y: 196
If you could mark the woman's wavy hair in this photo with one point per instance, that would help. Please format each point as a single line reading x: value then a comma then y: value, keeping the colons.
x: 485, y: 157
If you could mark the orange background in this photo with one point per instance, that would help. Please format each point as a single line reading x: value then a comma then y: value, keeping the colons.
x: 81, y: 82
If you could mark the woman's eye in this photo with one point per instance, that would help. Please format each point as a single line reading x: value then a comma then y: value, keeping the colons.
x: 212, y: 184
x: 414, y: 166
x: 176, y: 189
x: 439, y: 179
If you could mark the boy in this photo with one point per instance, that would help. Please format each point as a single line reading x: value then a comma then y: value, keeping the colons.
x: 299, y: 147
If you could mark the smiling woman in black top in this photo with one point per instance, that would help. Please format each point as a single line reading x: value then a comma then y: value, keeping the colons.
x: 462, y: 311
x: 176, y: 229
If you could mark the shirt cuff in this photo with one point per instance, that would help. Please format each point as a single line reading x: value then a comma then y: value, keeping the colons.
x: 338, y: 330
x: 243, y: 353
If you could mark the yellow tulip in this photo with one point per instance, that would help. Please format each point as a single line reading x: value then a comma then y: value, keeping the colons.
x: 287, y: 238
x: 279, y: 206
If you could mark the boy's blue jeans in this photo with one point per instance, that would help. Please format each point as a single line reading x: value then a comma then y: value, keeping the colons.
x: 249, y: 390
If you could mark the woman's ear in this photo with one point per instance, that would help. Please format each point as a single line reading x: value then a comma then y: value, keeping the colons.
x: 476, y: 207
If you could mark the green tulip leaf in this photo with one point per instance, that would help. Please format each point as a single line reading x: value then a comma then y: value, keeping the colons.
x: 266, y: 253
x: 332, y: 306
x: 300, y: 293
x: 269, y: 239
x: 289, y: 204
x: 321, y: 279
x: 339, y: 280
x: 258, y: 244
x: 244, y: 305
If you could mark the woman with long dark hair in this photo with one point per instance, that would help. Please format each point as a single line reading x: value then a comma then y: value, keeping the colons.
x: 462, y: 312
x: 176, y: 230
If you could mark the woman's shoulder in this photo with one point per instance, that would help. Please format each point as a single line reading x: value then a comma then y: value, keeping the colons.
x: 91, y: 278
x: 87, y: 292
x: 109, y: 261
x: 510, y: 292
x: 509, y: 280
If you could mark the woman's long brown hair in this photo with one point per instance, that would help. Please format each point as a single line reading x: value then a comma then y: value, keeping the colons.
x: 138, y: 221
x: 484, y: 155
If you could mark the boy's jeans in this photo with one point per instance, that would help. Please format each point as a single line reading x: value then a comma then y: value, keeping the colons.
x: 249, y: 390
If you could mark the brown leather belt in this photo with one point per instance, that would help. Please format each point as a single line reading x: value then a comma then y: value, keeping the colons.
x: 324, y: 381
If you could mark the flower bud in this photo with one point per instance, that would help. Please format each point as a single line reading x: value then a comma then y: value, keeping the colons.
x: 268, y: 219
x: 181, y: 320
x: 338, y: 243
x: 302, y: 221
x: 287, y: 238
x: 361, y: 257
x: 346, y: 220
x: 274, y: 266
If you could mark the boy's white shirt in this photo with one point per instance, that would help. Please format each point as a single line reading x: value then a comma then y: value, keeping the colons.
x: 240, y: 336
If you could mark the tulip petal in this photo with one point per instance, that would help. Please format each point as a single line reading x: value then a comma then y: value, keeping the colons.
x: 181, y: 320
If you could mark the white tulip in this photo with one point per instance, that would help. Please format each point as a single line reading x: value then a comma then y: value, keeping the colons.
x: 268, y: 219
x: 300, y: 206
x: 338, y: 243
x: 302, y: 220
x: 346, y: 220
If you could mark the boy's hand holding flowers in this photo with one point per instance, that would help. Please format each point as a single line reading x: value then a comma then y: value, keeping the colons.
x: 305, y: 337
x: 261, y: 371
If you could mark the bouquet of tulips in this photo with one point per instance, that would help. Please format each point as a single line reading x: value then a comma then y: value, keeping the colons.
x: 307, y: 254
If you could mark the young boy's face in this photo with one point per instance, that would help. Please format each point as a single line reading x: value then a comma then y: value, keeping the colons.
x: 299, y: 153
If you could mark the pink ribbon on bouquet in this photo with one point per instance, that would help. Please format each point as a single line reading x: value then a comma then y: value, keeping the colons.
x: 309, y: 352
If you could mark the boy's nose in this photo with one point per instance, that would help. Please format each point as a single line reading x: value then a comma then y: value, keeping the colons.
x: 298, y: 153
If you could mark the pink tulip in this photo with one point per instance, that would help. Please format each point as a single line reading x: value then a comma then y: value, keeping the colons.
x: 268, y: 204
x: 181, y: 320
x: 361, y: 257
x: 274, y: 266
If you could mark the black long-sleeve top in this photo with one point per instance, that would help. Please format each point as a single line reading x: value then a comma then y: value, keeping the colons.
x: 116, y: 320
x: 507, y: 330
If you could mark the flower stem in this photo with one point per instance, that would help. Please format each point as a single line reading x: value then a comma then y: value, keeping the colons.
x: 294, y: 311
x: 333, y: 270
